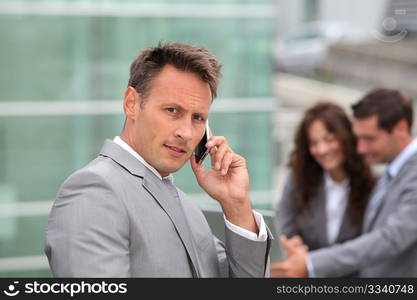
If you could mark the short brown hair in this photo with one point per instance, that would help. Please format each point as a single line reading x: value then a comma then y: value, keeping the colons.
x: 184, y: 57
x: 389, y: 105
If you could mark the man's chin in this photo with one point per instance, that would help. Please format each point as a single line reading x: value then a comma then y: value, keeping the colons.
x: 373, y: 160
x: 170, y: 169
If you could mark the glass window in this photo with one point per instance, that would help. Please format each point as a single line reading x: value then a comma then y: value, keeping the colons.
x: 63, y: 75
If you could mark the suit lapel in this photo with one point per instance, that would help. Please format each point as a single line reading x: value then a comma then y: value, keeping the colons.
x: 123, y: 158
x: 161, y: 193
x: 387, y: 198
x: 347, y: 230
x: 321, y: 216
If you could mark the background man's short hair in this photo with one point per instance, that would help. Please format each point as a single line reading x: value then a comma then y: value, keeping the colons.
x: 184, y: 57
x: 389, y: 105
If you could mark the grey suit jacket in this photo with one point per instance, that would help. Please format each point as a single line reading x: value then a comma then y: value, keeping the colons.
x: 311, y: 223
x: 389, y: 249
x: 115, y: 218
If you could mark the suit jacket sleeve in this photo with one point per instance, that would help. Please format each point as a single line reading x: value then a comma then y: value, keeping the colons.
x: 241, y: 257
x: 387, y: 241
x: 87, y: 234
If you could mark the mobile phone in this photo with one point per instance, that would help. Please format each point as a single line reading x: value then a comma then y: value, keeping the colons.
x: 201, y: 151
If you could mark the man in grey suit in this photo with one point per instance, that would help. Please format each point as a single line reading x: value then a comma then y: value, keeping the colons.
x: 122, y: 216
x: 388, y: 244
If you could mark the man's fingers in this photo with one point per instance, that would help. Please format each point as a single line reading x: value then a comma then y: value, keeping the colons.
x: 289, y: 245
x: 217, y: 157
x: 279, y: 265
x: 296, y: 240
x: 197, y: 168
x: 279, y: 269
x: 221, y: 154
x: 227, y: 161
x: 216, y: 141
x: 286, y: 244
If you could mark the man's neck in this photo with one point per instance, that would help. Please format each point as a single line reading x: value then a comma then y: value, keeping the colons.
x: 125, y: 138
x: 137, y: 155
x: 403, y: 143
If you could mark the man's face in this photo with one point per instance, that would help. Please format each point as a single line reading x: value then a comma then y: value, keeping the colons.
x: 378, y: 145
x: 168, y: 127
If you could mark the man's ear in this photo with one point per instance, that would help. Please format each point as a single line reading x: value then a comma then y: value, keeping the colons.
x: 402, y: 127
x: 131, y: 103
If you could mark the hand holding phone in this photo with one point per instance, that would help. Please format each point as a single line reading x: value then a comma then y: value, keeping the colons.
x: 227, y: 181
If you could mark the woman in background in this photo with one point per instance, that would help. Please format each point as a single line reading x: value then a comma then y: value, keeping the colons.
x: 326, y: 193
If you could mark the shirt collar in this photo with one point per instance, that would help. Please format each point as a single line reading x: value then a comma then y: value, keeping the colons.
x: 395, y: 166
x: 329, y: 182
x: 129, y: 149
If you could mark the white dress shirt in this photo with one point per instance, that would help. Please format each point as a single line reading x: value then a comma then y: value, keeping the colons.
x: 260, y: 237
x: 337, y: 194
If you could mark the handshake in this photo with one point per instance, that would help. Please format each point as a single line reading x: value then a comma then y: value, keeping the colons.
x: 295, y: 264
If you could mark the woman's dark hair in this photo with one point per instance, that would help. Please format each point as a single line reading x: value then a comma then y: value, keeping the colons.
x: 308, y: 174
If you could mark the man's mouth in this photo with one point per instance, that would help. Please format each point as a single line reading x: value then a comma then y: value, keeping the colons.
x: 176, y: 151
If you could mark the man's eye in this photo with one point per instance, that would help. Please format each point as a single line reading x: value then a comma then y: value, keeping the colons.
x: 198, y: 117
x: 172, y: 110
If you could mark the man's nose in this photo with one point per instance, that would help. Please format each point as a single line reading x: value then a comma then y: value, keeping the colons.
x: 184, y: 130
x: 361, y: 147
